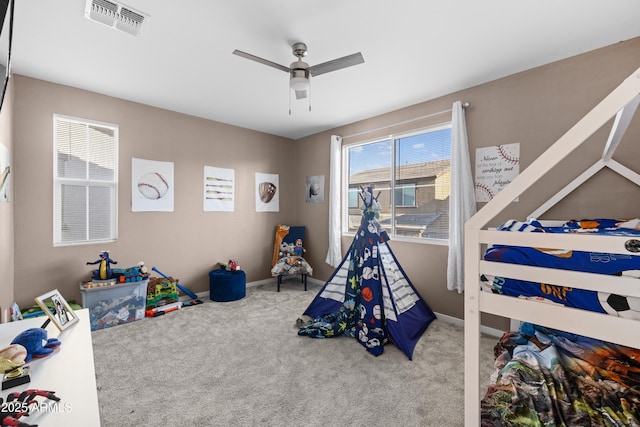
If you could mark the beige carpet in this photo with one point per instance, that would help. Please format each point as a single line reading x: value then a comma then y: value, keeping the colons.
x: 241, y: 363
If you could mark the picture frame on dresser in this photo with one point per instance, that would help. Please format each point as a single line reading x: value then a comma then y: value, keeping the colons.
x: 57, y: 310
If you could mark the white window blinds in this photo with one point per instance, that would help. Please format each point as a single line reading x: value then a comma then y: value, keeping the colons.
x: 85, y: 181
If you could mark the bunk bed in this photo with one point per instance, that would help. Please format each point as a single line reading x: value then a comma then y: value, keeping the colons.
x: 619, y: 332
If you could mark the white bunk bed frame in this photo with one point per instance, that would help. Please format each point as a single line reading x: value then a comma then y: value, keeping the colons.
x: 621, y: 104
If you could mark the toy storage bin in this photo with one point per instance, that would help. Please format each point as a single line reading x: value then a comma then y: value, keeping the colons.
x: 114, y: 304
x: 227, y: 285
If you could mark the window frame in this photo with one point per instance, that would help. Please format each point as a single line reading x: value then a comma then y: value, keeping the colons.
x: 345, y: 180
x: 402, y: 187
x: 87, y: 182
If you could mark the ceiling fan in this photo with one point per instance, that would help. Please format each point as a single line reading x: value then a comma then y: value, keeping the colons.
x: 300, y: 72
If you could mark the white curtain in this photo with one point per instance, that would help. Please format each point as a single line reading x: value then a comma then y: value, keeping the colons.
x: 334, y: 254
x: 462, y: 201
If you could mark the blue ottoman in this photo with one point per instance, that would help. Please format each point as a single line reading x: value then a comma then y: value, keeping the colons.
x: 227, y: 285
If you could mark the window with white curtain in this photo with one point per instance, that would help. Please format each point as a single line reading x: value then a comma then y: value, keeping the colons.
x: 85, y: 164
x: 411, y: 173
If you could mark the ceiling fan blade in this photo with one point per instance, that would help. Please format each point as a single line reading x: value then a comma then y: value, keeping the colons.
x: 261, y: 60
x: 336, y: 64
x: 301, y: 94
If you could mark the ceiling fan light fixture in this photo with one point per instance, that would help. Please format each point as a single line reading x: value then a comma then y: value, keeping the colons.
x: 299, y: 71
x: 299, y: 76
x: 299, y: 83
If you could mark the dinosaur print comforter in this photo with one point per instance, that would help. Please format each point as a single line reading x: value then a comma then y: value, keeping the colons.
x: 546, y: 377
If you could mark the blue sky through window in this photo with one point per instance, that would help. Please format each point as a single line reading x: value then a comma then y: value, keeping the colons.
x: 421, y: 148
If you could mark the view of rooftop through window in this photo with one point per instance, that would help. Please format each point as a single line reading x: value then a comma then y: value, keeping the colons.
x: 411, y: 173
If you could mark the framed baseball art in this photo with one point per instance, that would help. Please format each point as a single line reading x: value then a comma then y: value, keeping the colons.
x: 267, y: 194
x: 315, y: 189
x: 219, y: 189
x: 151, y: 186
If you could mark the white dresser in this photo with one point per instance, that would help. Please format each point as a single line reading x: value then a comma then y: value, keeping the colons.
x: 69, y: 371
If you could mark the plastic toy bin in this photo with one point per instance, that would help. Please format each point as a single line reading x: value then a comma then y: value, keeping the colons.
x: 115, y: 304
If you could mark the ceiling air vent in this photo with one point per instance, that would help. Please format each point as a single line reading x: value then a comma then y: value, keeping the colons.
x: 115, y: 15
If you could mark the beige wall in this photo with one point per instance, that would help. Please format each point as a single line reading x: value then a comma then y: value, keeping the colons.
x: 6, y: 210
x: 533, y: 108
x: 186, y: 243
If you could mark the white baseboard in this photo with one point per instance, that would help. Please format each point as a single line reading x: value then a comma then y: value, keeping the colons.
x: 483, y: 329
x: 271, y: 281
x: 261, y: 282
x: 310, y: 281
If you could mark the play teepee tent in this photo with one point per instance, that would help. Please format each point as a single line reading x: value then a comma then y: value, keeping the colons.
x: 369, y: 296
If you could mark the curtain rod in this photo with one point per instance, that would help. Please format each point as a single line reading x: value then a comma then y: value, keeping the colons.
x: 464, y: 105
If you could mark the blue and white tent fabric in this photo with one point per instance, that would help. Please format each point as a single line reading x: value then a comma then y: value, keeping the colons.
x: 369, y: 296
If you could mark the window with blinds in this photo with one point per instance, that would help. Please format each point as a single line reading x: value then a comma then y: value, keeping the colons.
x: 85, y: 164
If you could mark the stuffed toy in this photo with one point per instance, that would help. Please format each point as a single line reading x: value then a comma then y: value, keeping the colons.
x: 233, y: 265
x: 284, y: 250
x: 35, y: 341
x: 298, y: 250
x: 104, y: 269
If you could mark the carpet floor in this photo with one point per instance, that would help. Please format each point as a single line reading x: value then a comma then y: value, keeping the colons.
x: 241, y: 363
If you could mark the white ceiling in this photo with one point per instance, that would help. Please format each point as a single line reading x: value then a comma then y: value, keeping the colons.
x: 414, y: 50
